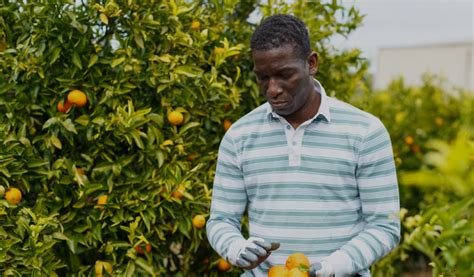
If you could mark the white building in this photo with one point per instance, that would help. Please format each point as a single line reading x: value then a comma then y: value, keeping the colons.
x: 454, y: 62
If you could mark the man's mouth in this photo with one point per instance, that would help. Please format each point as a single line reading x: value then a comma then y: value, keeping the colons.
x: 278, y: 104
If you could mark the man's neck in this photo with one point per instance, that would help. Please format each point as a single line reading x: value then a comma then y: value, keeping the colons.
x: 309, y: 110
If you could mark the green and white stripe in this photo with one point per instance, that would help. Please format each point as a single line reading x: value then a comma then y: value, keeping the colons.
x: 327, y: 189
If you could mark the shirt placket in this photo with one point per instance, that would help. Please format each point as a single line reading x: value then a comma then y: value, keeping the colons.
x: 294, y: 139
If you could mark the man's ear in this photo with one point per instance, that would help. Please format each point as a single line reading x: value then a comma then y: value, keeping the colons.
x: 313, y: 63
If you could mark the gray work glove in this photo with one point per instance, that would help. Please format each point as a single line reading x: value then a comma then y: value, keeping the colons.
x: 322, y: 269
x: 251, y: 252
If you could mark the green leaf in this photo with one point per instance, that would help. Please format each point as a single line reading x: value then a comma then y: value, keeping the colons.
x: 143, y: 264
x: 116, y: 62
x: 76, y: 60
x: 92, y: 60
x: 69, y: 125
x: 189, y: 71
x: 55, y: 55
x: 49, y: 122
x: 56, y: 142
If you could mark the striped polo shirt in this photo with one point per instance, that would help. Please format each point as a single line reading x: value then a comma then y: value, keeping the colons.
x: 327, y: 189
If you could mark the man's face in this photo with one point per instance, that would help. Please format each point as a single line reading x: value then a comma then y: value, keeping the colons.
x: 284, y: 78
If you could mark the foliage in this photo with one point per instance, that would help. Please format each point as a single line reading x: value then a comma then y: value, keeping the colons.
x: 136, y: 61
x: 413, y: 116
x: 444, y: 232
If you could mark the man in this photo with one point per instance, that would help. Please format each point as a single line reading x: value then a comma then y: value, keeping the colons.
x: 314, y: 174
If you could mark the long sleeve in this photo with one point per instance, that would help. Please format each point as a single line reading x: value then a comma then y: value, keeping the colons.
x: 380, y: 205
x: 229, y: 201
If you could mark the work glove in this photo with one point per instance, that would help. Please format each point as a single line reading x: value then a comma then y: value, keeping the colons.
x: 251, y: 252
x: 322, y: 269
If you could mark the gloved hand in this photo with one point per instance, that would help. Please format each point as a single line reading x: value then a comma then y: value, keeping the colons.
x: 252, y: 252
x: 322, y: 269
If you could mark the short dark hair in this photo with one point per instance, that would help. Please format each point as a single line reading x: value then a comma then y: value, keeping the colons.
x: 279, y: 30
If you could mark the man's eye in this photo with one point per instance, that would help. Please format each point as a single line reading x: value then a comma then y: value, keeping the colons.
x: 286, y: 75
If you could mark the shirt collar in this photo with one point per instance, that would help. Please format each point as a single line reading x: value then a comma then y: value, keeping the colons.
x: 323, y: 106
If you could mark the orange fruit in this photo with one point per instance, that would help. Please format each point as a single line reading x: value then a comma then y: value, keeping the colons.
x: 439, y: 121
x: 409, y: 140
x: 13, y: 196
x: 223, y: 265
x: 178, y: 193
x: 296, y: 272
x: 139, y: 249
x: 195, y: 25
x: 176, y: 118
x: 102, y: 200
x: 278, y: 271
x: 227, y: 123
x: 148, y: 248
x: 199, y: 221
x: 77, y: 98
x: 192, y: 156
x: 227, y: 106
x: 415, y: 148
x: 295, y: 260
x: 64, y: 108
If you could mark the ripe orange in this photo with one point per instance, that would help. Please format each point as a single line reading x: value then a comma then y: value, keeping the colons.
x: 176, y: 118
x: 195, y: 25
x: 223, y: 265
x: 102, y: 200
x: 64, y: 108
x: 296, y: 272
x: 77, y: 98
x: 439, y: 121
x: 199, y: 221
x: 13, y: 196
x: 278, y: 271
x: 148, y: 248
x: 227, y: 123
x: 139, y: 249
x: 409, y: 140
x: 295, y: 260
x: 227, y: 106
x: 178, y: 193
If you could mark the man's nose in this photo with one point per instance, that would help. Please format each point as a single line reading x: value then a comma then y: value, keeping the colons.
x: 273, y: 89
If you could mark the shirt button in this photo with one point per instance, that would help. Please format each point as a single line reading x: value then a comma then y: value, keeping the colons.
x: 288, y: 127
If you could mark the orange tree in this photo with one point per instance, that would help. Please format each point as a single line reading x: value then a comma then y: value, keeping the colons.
x: 110, y: 116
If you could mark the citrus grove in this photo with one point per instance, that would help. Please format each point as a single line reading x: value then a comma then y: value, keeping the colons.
x: 111, y: 113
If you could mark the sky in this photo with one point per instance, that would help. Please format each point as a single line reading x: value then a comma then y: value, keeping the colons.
x: 395, y: 23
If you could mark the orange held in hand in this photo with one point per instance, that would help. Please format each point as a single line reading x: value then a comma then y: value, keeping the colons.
x: 77, y: 98
x: 278, y: 271
x: 296, y: 272
x: 296, y: 260
x: 13, y: 196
